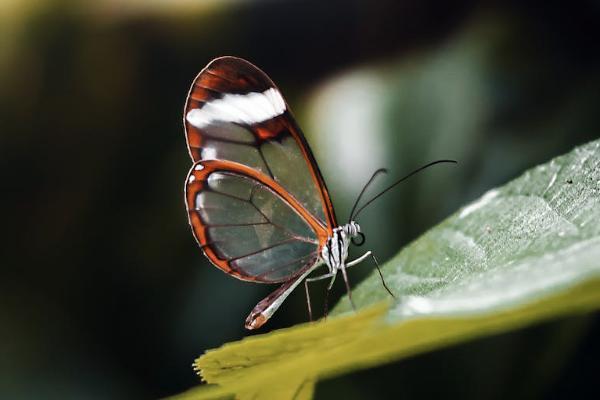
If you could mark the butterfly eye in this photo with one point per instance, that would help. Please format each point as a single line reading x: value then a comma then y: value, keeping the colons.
x: 357, y: 242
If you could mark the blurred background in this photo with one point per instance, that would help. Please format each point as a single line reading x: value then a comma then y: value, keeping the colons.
x: 104, y: 292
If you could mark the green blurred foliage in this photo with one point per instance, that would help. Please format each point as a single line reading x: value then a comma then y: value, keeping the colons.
x: 104, y: 292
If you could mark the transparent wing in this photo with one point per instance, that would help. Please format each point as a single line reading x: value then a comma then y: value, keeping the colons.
x: 235, y: 112
x: 247, y: 225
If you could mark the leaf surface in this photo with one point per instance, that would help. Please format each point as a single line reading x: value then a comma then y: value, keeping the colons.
x: 521, y: 254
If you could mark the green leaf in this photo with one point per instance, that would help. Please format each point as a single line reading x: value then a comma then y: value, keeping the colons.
x: 535, y: 235
x: 523, y: 253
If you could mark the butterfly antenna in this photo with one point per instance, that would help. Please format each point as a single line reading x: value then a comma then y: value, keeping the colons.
x: 398, y: 181
x: 379, y: 171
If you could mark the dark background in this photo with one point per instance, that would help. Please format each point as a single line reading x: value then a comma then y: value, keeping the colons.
x: 105, y: 294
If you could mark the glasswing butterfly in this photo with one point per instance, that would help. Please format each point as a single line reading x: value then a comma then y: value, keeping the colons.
x: 256, y: 200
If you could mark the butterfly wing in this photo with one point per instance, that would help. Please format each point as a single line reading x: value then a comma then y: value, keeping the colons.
x: 235, y: 112
x: 248, y: 225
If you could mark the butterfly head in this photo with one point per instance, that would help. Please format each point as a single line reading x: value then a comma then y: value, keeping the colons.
x: 353, y: 231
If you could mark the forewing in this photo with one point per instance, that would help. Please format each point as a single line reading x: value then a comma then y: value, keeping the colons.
x: 235, y: 112
x: 247, y: 228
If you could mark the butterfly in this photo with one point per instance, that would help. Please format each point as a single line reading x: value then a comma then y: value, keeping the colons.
x: 257, y: 203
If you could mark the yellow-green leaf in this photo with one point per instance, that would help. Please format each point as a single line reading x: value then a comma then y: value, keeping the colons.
x: 523, y: 253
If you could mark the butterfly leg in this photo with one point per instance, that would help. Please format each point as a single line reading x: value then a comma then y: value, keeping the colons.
x: 381, y: 275
x: 360, y: 259
x: 316, y: 278
x: 326, y: 304
x: 345, y: 275
x: 350, y: 264
x: 333, y: 275
x: 357, y: 261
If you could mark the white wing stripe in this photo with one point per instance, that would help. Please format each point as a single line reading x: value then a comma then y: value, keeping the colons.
x: 250, y: 108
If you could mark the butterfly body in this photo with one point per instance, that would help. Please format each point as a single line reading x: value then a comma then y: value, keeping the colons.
x: 335, y: 251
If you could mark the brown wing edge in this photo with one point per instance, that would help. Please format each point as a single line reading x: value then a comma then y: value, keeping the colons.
x: 225, y: 74
x: 229, y: 70
x: 193, y: 187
